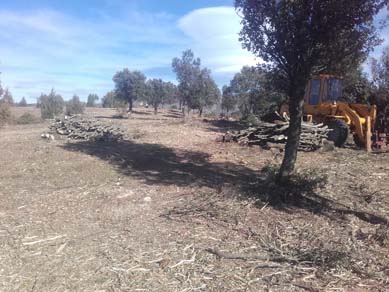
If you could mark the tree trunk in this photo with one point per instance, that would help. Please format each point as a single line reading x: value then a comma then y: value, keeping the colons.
x: 180, y: 105
x: 200, y: 112
x: 296, y: 112
x: 183, y: 107
x: 130, y: 106
x: 155, y: 109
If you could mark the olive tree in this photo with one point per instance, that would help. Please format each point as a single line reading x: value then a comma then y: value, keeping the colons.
x: 299, y: 38
x: 129, y: 86
x: 186, y: 68
x: 155, y: 93
x: 228, y: 99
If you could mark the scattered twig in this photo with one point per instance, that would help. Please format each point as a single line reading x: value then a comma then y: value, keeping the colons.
x: 232, y: 256
x: 184, y: 262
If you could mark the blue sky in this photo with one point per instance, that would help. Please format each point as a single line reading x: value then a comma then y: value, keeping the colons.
x: 76, y: 46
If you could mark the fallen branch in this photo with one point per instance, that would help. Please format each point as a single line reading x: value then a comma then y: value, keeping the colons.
x: 232, y: 256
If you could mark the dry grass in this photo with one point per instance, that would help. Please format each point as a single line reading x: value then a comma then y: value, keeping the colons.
x: 173, y: 210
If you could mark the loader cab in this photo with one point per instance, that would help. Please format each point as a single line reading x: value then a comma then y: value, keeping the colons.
x: 321, y: 96
x: 323, y: 88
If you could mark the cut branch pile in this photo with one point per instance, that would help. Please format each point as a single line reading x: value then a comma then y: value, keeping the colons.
x: 82, y: 128
x: 275, y: 135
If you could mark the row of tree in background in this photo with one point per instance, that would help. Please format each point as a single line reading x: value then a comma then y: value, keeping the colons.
x: 6, y: 97
x: 196, y: 88
x: 252, y: 91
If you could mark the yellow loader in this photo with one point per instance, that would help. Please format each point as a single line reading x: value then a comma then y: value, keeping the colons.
x: 324, y: 104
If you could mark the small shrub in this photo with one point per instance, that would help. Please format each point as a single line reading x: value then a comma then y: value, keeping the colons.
x: 92, y: 98
x: 74, y: 106
x: 210, y: 115
x: 251, y: 120
x: 27, y: 118
x: 121, y: 110
x: 51, y: 105
x: 5, y: 114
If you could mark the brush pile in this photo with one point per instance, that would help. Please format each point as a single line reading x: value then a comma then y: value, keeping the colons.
x: 275, y: 135
x: 90, y: 129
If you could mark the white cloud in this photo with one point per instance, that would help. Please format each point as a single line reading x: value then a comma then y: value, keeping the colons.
x: 215, y: 36
x: 77, y: 55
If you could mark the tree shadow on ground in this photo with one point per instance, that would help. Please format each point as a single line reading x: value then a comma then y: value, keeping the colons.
x: 173, y: 116
x: 304, y: 191
x: 157, y: 164
x: 222, y: 126
x: 141, y: 113
x: 160, y: 165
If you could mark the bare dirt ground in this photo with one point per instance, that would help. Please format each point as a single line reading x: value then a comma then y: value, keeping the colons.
x: 171, y: 209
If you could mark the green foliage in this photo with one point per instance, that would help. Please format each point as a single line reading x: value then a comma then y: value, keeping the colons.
x: 129, y: 86
x: 228, y: 99
x: 301, y: 38
x: 196, y: 87
x: 74, y: 106
x: 109, y: 100
x: 186, y: 69
x: 254, y: 91
x: 155, y: 93
x: 356, y: 87
x: 250, y: 120
x: 7, y: 97
x: 380, y: 74
x: 92, y: 98
x: 172, y: 94
x: 206, y: 91
x: 121, y: 109
x: 27, y: 118
x: 296, y: 38
x: 5, y: 113
x: 51, y: 105
x: 23, y: 102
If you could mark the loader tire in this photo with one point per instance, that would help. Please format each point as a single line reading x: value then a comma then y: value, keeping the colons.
x: 358, y: 142
x: 339, y: 133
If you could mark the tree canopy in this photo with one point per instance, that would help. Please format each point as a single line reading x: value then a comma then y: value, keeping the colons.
x: 23, y: 102
x: 300, y: 38
x: 253, y: 90
x: 91, y: 100
x: 229, y: 101
x: 74, y: 106
x: 156, y: 93
x: 51, y: 105
x: 7, y: 97
x: 196, y: 87
x: 380, y: 75
x: 129, y: 86
x: 205, y: 91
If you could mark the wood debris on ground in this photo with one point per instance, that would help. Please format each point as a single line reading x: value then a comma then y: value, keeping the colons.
x: 275, y: 135
x: 84, y: 128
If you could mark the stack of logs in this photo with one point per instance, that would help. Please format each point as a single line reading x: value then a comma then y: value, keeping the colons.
x: 270, y: 135
x: 82, y: 128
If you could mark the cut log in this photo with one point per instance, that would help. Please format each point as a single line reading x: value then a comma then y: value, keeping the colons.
x: 266, y: 134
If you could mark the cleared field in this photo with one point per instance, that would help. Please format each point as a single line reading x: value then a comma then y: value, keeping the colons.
x: 18, y: 111
x: 171, y: 209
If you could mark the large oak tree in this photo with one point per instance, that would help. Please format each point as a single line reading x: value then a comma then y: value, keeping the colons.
x: 299, y: 38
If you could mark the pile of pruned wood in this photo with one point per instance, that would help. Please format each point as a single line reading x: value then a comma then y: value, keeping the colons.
x: 275, y: 135
x: 83, y: 128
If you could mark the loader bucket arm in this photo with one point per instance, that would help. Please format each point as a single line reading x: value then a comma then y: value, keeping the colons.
x: 361, y: 120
